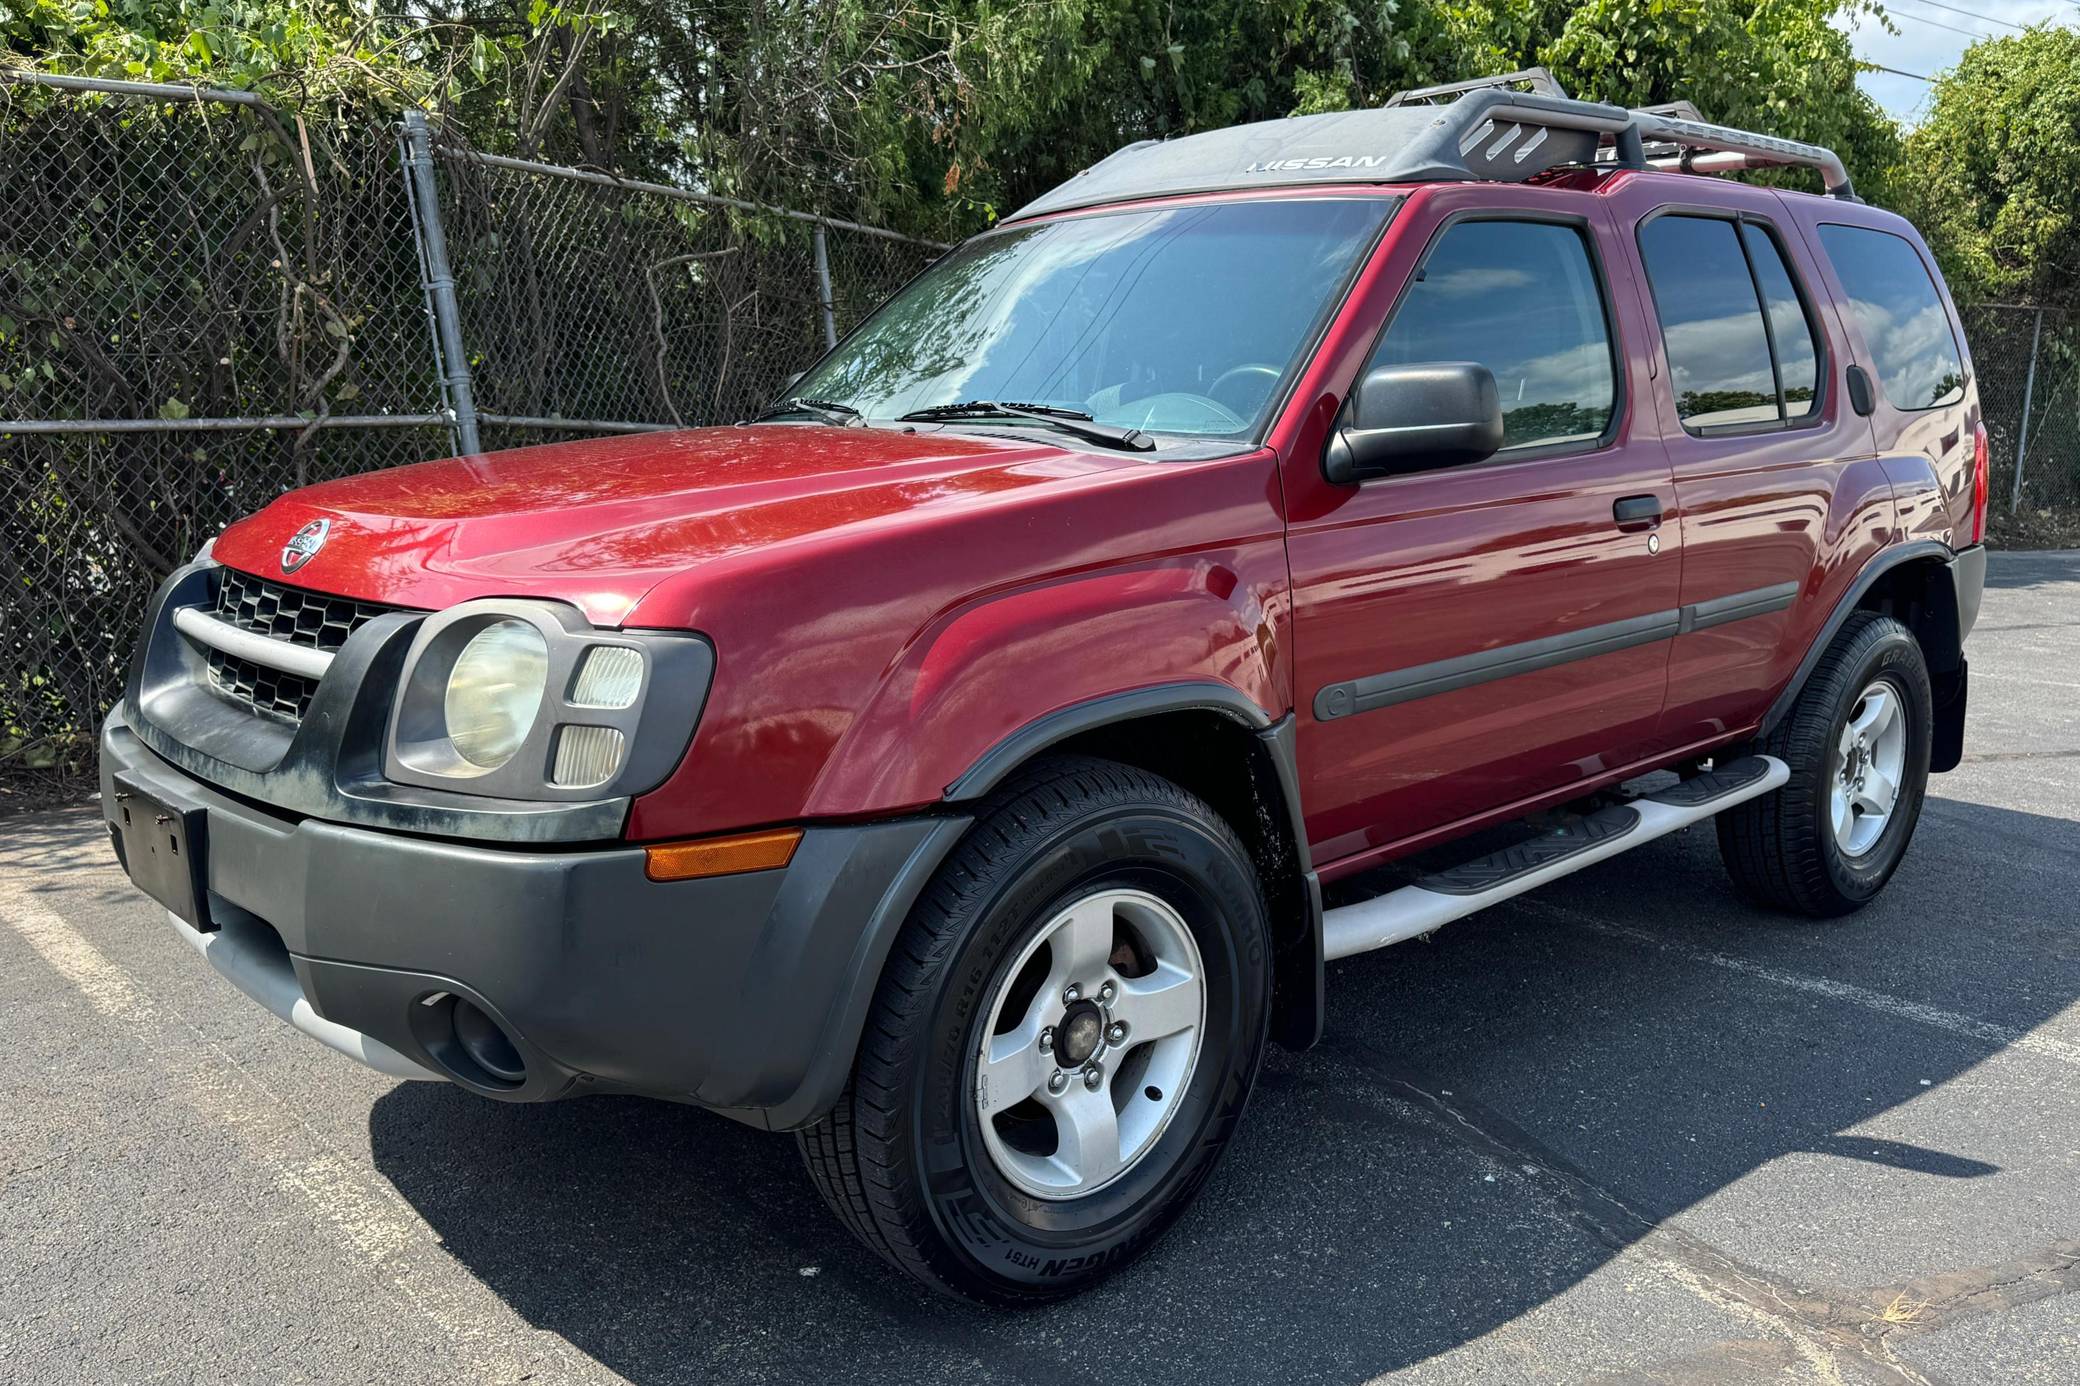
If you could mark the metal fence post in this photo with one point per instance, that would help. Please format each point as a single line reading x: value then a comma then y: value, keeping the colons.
x: 823, y: 287
x: 440, y: 282
x: 2029, y: 388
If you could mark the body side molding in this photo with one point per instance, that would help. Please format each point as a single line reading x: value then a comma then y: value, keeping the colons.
x: 1719, y: 611
x: 1374, y: 691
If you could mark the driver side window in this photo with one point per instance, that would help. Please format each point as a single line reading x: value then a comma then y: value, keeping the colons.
x: 1522, y: 299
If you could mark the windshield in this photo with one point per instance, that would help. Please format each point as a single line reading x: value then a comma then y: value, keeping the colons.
x: 1177, y: 320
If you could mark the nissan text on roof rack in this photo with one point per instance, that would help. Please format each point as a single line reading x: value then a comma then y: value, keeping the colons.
x: 970, y: 765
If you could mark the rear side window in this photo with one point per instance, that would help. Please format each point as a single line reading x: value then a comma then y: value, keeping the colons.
x: 1896, y: 305
x: 1741, y: 350
x: 1522, y: 299
x: 1791, y: 331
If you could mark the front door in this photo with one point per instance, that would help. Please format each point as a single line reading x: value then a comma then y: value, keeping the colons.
x: 1472, y: 636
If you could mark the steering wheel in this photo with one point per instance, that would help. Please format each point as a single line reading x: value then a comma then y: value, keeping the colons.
x: 1176, y: 410
x: 1236, y: 373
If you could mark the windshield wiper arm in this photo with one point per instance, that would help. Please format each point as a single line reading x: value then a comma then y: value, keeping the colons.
x: 1068, y: 420
x: 829, y: 410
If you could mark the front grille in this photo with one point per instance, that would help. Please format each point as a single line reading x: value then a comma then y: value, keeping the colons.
x: 316, y: 619
x: 269, y: 692
x: 293, y: 615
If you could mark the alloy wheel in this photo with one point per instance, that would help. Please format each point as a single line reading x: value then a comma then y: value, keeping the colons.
x: 1090, y: 1044
x: 1870, y: 762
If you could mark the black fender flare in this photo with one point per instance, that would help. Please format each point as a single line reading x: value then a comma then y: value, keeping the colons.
x: 1301, y: 1002
x: 996, y: 764
x: 1942, y: 634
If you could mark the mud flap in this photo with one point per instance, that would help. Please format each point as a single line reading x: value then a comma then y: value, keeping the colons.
x: 1946, y: 746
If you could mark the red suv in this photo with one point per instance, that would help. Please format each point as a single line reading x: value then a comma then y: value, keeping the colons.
x: 948, y: 766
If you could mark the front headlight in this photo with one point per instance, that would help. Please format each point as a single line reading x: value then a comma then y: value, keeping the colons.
x: 525, y: 700
x: 494, y: 692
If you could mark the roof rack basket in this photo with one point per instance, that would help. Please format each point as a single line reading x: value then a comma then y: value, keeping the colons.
x: 1537, y: 78
x: 1670, y: 136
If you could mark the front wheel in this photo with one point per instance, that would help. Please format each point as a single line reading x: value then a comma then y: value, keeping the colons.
x: 1857, y: 741
x: 1064, y: 1037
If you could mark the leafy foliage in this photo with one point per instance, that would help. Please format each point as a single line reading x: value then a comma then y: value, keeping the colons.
x: 1778, y: 65
x: 938, y: 115
x: 302, y: 52
x: 1996, y: 185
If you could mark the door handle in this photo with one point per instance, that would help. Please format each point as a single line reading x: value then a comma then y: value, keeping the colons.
x: 1637, y: 512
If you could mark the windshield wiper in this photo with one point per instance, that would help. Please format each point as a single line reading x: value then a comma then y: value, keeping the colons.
x: 1068, y: 420
x: 829, y: 410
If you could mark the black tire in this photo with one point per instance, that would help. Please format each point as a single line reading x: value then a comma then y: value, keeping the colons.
x: 1780, y: 849
x: 900, y: 1159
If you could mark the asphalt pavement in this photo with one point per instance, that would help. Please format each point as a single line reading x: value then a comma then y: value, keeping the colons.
x: 1625, y: 1129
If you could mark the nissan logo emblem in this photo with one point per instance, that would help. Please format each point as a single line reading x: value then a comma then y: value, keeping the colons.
x: 303, y: 545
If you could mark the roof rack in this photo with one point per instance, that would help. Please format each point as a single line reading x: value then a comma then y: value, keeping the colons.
x: 1679, y: 110
x: 1507, y: 129
x: 1673, y: 135
x: 1538, y: 79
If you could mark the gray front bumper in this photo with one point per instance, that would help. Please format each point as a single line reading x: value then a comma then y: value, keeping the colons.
x: 744, y: 993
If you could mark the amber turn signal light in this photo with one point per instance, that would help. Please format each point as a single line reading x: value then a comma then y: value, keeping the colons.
x: 721, y: 856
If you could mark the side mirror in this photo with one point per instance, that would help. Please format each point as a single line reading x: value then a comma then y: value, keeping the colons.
x: 1405, y: 418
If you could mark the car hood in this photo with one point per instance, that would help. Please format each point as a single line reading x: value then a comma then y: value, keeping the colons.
x: 599, y: 523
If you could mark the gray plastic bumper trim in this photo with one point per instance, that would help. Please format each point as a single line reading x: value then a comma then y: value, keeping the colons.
x: 254, y: 962
x: 205, y: 629
x: 744, y: 993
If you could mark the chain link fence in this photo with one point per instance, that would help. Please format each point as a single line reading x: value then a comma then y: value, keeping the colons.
x: 584, y: 297
x: 205, y: 302
x: 2028, y: 364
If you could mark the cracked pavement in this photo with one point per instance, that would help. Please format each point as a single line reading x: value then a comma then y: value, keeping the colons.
x: 1624, y: 1129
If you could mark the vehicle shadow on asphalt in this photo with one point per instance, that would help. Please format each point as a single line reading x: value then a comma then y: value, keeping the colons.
x: 1495, y: 1114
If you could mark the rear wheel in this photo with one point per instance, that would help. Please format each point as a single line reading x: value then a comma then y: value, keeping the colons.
x: 1063, y: 1039
x: 1857, y: 741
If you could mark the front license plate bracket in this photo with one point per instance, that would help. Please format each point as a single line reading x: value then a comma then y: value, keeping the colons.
x: 164, y: 846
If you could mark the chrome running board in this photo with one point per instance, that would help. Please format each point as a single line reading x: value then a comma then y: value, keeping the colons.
x: 1437, y: 900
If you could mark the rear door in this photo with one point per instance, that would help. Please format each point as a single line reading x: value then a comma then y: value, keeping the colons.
x: 1781, y: 496
x: 1470, y: 636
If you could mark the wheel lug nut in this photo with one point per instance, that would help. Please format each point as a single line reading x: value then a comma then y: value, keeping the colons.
x: 1117, y: 1033
x: 1107, y: 992
x: 1047, y: 1038
x: 1094, y: 1077
x: 1072, y: 993
x: 1058, y: 1083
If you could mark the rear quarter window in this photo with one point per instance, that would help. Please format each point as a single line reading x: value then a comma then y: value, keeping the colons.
x: 1896, y: 306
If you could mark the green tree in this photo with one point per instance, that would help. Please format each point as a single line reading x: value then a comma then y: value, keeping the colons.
x: 304, y: 53
x: 938, y: 115
x: 1778, y: 66
x: 1995, y: 170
